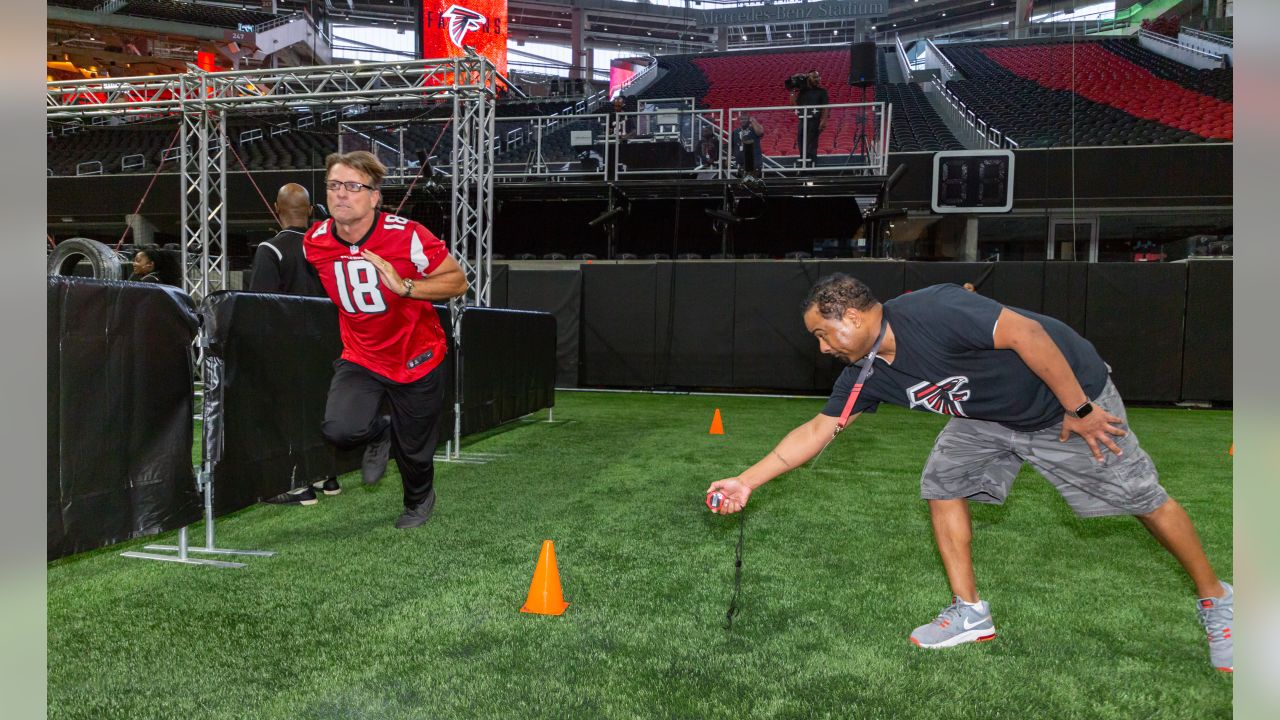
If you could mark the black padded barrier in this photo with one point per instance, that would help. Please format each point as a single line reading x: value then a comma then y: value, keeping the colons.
x: 771, y: 347
x: 695, y: 324
x: 1016, y: 284
x: 268, y: 366
x: 558, y: 292
x: 508, y: 365
x: 498, y: 285
x: 1135, y: 320
x: 120, y: 405
x: 1066, y: 292
x: 923, y: 274
x: 1207, y: 350
x: 618, y: 325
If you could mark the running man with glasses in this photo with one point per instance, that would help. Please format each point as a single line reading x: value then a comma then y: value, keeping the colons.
x: 383, y: 272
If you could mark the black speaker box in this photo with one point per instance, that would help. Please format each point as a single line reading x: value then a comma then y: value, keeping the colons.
x: 862, y: 63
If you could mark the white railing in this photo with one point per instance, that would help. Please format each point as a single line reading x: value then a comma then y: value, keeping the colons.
x: 974, y: 130
x: 92, y: 167
x: 902, y: 58
x: 1176, y: 51
x: 132, y: 162
x: 934, y: 58
x: 856, y: 138
x: 631, y: 81
x: 542, y: 160
x: 278, y: 21
x: 109, y: 6
x: 1207, y: 37
x: 250, y: 135
x: 1207, y: 42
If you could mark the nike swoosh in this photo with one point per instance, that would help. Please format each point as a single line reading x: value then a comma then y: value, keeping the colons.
x: 970, y: 626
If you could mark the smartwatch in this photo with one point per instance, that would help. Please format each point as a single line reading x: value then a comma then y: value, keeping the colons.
x: 1082, y: 411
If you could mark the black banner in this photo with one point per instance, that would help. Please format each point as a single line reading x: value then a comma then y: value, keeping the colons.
x: 508, y: 366
x: 120, y: 408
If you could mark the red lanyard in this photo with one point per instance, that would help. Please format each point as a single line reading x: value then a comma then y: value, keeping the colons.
x: 862, y: 376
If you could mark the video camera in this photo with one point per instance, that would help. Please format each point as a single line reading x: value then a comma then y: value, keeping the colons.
x: 799, y: 81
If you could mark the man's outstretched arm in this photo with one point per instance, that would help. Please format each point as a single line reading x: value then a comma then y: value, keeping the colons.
x: 797, y: 448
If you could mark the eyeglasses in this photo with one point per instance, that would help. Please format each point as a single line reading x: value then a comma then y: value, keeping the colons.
x: 350, y: 185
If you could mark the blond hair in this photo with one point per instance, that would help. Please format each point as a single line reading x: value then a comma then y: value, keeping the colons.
x: 360, y: 161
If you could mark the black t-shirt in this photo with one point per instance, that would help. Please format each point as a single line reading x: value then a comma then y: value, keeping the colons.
x: 812, y: 96
x: 280, y: 267
x: 945, y: 362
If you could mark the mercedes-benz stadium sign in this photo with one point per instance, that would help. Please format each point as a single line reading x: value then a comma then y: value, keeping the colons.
x: 831, y: 10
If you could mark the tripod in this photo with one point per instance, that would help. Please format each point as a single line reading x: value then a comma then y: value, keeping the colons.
x: 861, y: 146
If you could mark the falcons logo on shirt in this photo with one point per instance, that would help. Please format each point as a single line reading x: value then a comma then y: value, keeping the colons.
x: 943, y: 397
x: 461, y: 22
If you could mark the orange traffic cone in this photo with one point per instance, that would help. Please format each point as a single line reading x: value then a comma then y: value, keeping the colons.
x: 717, y: 425
x: 1232, y: 449
x: 545, y: 595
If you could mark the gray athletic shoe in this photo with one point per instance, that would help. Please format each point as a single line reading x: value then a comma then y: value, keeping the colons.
x: 1216, y: 615
x: 957, y: 623
x: 418, y: 515
x: 376, y: 456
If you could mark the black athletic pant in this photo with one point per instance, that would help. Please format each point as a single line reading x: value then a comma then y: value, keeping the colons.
x: 351, y: 419
x: 807, y: 141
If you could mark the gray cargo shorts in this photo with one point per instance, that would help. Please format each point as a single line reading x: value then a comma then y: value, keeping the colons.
x: 978, y: 460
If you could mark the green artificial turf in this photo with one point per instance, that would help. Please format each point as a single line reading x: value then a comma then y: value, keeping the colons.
x: 355, y: 619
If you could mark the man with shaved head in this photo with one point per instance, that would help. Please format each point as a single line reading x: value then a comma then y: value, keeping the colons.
x: 279, y: 265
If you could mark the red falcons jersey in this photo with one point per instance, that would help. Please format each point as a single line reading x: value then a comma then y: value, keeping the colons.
x: 398, y: 338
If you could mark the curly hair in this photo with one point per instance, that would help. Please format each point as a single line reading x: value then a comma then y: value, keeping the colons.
x: 835, y: 293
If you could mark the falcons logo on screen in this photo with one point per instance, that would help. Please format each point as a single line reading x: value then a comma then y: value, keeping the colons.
x: 461, y: 22
x: 943, y: 397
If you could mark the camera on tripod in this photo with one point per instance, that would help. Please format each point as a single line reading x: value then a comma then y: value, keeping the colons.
x: 799, y: 81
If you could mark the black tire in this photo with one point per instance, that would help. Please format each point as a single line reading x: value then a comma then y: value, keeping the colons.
x: 104, y: 261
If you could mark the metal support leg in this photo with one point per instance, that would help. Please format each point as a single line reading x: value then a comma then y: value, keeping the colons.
x: 181, y: 557
x: 209, y: 546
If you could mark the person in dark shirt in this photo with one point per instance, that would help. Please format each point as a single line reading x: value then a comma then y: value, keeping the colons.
x: 1018, y: 387
x: 279, y: 266
x: 813, y: 116
x: 154, y: 264
x: 746, y: 140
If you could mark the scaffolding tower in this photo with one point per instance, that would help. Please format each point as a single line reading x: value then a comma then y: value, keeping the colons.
x: 202, y: 101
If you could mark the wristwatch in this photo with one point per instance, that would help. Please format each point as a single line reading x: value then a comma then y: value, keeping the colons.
x: 408, y: 287
x: 1081, y: 411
